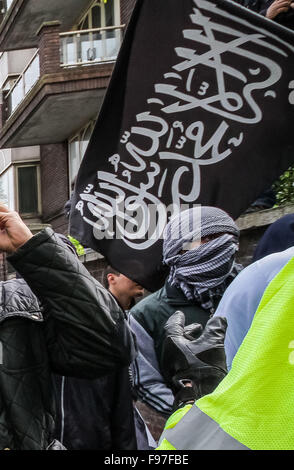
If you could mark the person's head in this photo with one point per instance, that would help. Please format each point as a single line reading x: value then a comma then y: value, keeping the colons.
x: 279, y: 236
x: 193, y: 227
x: 123, y: 288
x: 199, y: 246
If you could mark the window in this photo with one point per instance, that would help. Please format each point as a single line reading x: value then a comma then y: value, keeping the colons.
x: 5, y: 5
x: 101, y: 14
x: 100, y: 45
x: 96, y: 17
x: 20, y: 188
x: 77, y: 148
x: 7, y: 188
x: 4, y: 188
x: 9, y: 3
x: 97, y: 36
x: 28, y: 189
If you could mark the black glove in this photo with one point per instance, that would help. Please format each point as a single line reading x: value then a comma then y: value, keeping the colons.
x: 193, y: 367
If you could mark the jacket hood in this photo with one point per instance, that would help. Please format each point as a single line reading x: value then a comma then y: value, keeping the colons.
x: 278, y: 237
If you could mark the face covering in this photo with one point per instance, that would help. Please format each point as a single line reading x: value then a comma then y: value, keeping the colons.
x: 202, y: 273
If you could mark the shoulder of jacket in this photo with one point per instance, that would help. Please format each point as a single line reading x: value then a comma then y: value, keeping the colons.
x: 108, y: 303
x: 17, y: 300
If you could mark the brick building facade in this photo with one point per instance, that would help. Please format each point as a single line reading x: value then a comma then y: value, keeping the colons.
x: 52, y: 91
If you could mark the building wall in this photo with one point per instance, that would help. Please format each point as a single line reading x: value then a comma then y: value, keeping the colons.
x: 54, y: 158
x: 3, y: 267
x: 96, y: 268
x: 248, y: 242
x: 54, y: 185
x: 253, y: 225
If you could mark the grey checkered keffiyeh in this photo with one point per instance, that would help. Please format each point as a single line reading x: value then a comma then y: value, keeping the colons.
x: 202, y: 273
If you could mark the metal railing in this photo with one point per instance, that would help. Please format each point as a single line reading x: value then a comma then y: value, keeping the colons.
x: 90, y: 46
x: 23, y: 84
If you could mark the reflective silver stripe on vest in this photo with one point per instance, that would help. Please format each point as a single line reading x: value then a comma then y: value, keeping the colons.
x: 197, y: 431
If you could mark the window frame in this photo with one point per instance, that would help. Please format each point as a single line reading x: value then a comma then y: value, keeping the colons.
x: 79, y: 136
x: 101, y: 4
x: 16, y: 185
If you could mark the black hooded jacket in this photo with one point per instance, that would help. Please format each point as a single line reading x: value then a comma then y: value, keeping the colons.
x: 278, y: 237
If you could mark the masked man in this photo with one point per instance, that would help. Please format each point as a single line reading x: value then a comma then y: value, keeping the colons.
x: 199, y: 247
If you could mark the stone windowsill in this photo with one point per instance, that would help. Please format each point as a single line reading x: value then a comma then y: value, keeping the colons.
x: 263, y: 218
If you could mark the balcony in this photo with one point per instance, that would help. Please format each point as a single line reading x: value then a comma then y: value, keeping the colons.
x: 62, y: 86
x: 22, y: 18
x: 23, y: 84
x: 90, y: 46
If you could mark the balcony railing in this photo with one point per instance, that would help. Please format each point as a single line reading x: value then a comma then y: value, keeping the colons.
x: 23, y: 84
x: 90, y: 46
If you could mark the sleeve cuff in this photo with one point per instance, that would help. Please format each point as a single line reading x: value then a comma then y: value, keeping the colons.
x: 32, y: 243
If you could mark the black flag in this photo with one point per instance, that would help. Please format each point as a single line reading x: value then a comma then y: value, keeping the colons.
x: 199, y: 110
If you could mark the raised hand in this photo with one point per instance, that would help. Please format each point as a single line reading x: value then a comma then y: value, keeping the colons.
x: 13, y: 231
x: 278, y: 6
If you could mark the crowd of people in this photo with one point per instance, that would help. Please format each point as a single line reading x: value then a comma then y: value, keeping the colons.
x: 210, y: 353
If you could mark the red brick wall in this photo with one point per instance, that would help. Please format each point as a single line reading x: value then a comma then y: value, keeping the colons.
x: 60, y: 224
x: 54, y: 185
x: 49, y: 48
x: 3, y: 267
x: 96, y: 268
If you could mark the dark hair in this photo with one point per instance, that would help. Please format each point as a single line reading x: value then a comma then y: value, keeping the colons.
x: 108, y: 270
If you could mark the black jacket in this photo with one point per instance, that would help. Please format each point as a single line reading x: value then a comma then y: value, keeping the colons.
x: 96, y: 414
x: 75, y: 328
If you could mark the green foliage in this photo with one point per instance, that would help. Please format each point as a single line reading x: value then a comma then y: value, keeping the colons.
x: 284, y: 187
x: 79, y: 248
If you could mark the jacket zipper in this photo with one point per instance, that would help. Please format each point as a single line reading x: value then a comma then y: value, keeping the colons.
x: 62, y: 409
